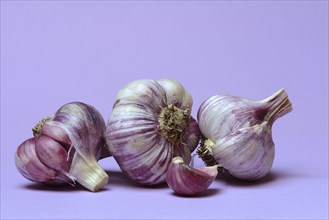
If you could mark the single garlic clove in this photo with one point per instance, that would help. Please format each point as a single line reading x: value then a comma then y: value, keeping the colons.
x: 51, y: 153
x: 185, y: 180
x: 56, y: 133
x: 175, y: 93
x: 30, y: 166
x: 84, y: 126
x: 247, y: 153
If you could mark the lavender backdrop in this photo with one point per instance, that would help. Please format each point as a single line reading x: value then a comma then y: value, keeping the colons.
x: 54, y: 52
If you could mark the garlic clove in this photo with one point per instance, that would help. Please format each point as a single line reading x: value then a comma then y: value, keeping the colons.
x: 144, y: 159
x: 84, y: 126
x: 185, y: 180
x: 56, y: 133
x: 51, y: 153
x: 175, y: 93
x: 30, y: 166
x: 247, y: 153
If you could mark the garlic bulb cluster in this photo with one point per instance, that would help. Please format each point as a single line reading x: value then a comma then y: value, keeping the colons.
x: 151, y: 135
x: 66, y: 148
x: 185, y: 180
x: 150, y: 123
x: 238, y: 133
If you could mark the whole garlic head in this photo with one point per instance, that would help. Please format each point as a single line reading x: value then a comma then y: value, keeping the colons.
x: 66, y: 148
x: 238, y: 133
x: 149, y: 125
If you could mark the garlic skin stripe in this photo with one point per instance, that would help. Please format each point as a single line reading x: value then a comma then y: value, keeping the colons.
x: 187, y: 181
x: 150, y: 123
x: 238, y: 133
x: 66, y: 148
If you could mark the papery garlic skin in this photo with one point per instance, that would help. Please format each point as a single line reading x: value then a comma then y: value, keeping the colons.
x: 247, y: 153
x: 187, y: 181
x: 221, y: 114
x: 238, y: 133
x: 69, y: 146
x: 150, y: 123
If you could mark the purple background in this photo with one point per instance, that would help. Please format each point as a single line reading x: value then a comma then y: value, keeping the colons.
x: 54, y: 52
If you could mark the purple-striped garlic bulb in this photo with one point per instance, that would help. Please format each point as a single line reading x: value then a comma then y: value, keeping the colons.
x: 65, y: 148
x: 238, y: 133
x: 185, y: 180
x: 149, y: 125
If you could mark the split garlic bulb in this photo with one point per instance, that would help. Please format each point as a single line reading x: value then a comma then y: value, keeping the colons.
x: 238, y: 133
x: 149, y: 125
x: 66, y: 148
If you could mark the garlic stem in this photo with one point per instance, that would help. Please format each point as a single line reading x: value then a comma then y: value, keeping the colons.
x: 279, y: 106
x: 88, y: 173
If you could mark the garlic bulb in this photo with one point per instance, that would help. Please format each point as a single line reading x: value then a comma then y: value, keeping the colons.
x: 185, y: 180
x: 238, y: 133
x: 150, y: 124
x: 66, y: 148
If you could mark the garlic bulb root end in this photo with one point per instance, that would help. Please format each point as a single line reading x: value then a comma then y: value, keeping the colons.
x: 36, y: 130
x: 205, y: 152
x: 173, y: 123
